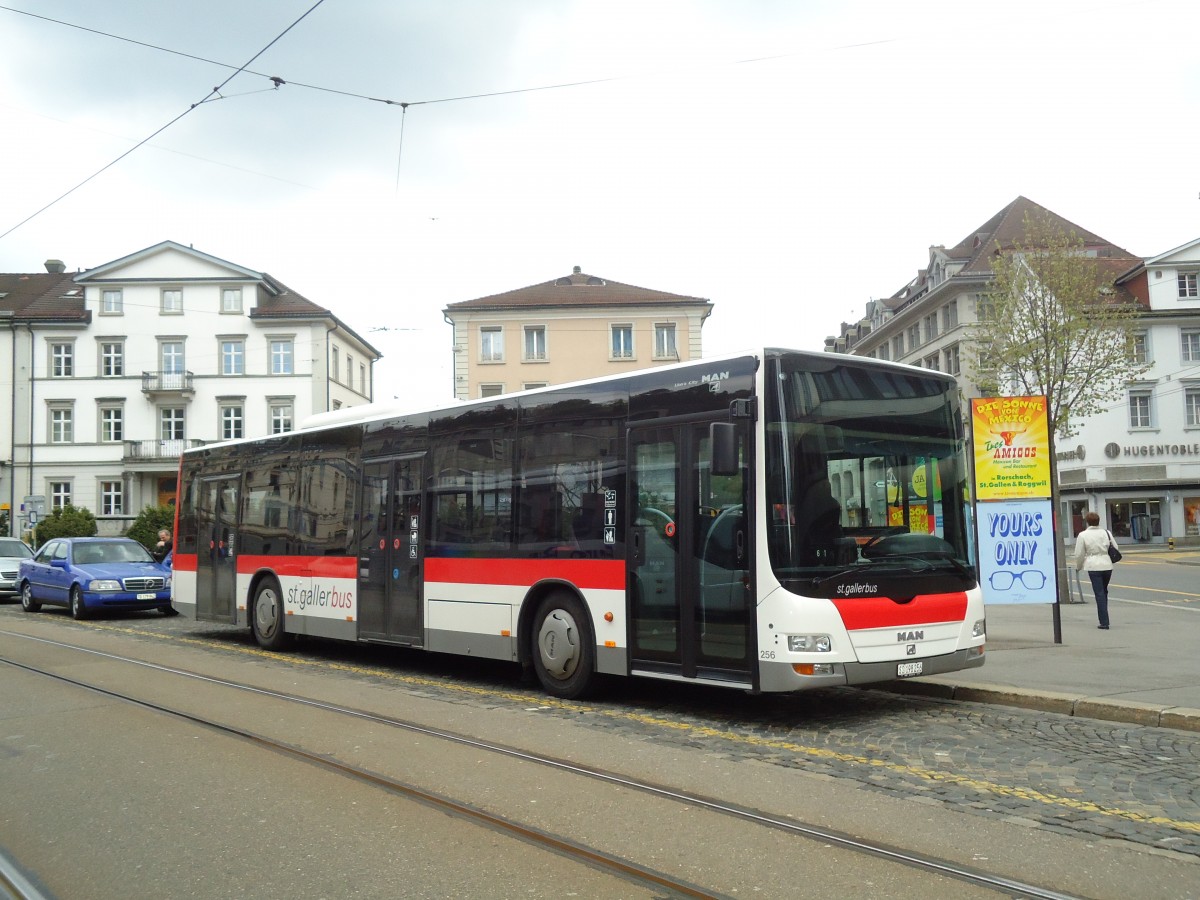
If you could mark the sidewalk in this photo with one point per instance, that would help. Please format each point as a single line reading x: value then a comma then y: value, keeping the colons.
x: 1145, y: 670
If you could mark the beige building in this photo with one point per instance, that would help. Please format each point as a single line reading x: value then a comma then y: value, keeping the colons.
x: 574, y: 327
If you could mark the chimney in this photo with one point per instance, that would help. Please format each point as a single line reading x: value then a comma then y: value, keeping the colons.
x: 55, y: 266
x: 577, y: 270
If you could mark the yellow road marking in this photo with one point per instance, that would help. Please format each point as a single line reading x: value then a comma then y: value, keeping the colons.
x: 819, y: 753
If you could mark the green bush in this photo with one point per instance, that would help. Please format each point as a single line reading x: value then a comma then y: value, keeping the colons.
x: 66, y: 521
x: 146, y: 526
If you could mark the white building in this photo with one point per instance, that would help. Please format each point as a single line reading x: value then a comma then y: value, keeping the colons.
x: 1138, y: 463
x: 115, y: 370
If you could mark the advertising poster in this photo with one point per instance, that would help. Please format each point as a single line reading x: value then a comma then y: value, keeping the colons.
x: 1016, y: 552
x: 1012, y: 448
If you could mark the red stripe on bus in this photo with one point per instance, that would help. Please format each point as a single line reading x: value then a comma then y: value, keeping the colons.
x: 859, y: 613
x: 608, y: 574
x: 292, y: 566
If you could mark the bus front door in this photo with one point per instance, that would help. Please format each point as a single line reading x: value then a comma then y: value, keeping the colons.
x: 690, y: 576
x: 390, y: 552
x: 216, y: 550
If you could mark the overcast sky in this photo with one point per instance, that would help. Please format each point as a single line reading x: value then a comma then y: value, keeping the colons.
x: 786, y: 160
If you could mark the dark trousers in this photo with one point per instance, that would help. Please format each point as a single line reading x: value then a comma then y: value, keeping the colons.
x: 1100, y: 589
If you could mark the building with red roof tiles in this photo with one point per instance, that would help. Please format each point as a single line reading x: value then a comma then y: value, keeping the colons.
x: 569, y: 328
x: 116, y: 369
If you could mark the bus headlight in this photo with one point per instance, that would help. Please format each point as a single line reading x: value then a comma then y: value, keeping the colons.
x: 980, y: 628
x: 102, y: 584
x: 809, y: 643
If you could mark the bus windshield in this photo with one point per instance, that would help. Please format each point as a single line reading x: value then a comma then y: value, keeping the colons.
x: 866, y: 481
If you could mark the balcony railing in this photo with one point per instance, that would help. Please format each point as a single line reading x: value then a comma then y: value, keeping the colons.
x: 167, y: 383
x: 158, y: 451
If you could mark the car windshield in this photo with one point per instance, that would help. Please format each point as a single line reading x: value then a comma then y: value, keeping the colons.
x: 10, y: 547
x: 111, y: 552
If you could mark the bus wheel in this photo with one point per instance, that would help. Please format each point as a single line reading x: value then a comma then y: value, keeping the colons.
x: 564, y: 653
x: 266, y: 616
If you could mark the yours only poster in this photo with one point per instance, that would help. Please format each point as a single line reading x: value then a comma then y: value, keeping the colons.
x: 1012, y: 448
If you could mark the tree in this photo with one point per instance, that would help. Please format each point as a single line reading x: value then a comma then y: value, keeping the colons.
x: 1053, y: 323
x: 66, y: 521
x: 149, y: 521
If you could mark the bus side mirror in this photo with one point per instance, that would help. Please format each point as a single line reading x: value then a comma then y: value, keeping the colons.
x: 722, y: 437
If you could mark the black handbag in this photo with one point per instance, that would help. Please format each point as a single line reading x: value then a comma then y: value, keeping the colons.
x: 1113, y: 553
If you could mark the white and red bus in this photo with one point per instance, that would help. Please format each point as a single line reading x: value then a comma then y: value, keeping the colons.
x: 770, y: 521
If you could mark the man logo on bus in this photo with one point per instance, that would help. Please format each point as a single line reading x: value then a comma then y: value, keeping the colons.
x: 905, y: 636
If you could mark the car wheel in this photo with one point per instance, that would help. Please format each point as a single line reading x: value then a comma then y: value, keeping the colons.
x: 27, y: 602
x: 564, y: 653
x: 266, y: 616
x: 79, y: 609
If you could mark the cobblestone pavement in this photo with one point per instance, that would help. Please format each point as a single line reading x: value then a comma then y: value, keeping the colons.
x: 1067, y: 774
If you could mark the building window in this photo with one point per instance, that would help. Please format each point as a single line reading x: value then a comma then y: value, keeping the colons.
x: 1141, y: 347
x: 1191, y: 406
x: 111, y: 303
x: 914, y: 336
x: 950, y: 360
x: 491, y: 390
x: 60, y: 494
x: 280, y: 416
x: 112, y: 359
x: 112, y: 498
x: 622, y: 342
x: 535, y: 343
x: 491, y: 344
x: 62, y: 360
x: 170, y: 423
x: 171, y: 355
x: 950, y: 315
x: 62, y: 424
x: 231, y: 300
x: 1188, y: 288
x: 1190, y: 344
x: 362, y: 379
x: 931, y: 362
x: 334, y: 363
x: 664, y: 342
x: 112, y: 424
x: 1140, y: 409
x: 232, y: 422
x: 931, y: 327
x: 281, y: 357
x: 233, y: 356
x: 349, y: 371
x: 171, y: 302
x: 898, y: 347
x: 531, y: 385
x: 882, y: 351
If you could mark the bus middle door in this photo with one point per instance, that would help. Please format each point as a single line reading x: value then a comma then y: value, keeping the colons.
x: 216, y: 550
x: 390, y: 552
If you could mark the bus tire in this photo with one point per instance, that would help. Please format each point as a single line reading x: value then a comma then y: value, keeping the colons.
x: 564, y: 653
x: 267, y: 616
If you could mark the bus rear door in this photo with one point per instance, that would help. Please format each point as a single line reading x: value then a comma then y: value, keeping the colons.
x: 689, y: 558
x: 216, y: 550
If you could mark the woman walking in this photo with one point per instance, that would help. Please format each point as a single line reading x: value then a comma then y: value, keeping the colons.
x: 1091, y: 554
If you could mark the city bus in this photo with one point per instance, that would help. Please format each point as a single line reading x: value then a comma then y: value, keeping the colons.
x: 767, y: 521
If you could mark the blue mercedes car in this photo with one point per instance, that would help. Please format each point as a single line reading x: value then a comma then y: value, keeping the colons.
x: 88, y: 575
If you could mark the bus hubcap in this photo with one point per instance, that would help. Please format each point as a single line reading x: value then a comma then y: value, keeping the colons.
x: 556, y: 644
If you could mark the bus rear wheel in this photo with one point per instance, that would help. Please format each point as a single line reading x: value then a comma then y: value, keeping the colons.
x: 266, y: 616
x: 564, y: 654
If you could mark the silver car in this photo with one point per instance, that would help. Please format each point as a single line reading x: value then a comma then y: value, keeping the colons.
x: 12, y: 551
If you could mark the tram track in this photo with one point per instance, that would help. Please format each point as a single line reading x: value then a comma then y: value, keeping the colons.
x: 557, y: 843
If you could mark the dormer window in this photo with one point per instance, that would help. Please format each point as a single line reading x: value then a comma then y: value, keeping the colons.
x: 1188, y: 288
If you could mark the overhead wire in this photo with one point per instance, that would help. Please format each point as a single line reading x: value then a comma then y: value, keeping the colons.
x: 209, y: 96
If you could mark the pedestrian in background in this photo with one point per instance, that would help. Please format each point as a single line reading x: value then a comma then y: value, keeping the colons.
x: 1091, y: 555
x: 164, y: 545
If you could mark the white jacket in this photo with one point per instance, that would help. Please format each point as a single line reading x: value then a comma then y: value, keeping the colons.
x: 1091, y: 550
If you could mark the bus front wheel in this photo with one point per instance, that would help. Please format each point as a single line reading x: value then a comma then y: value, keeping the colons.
x: 266, y: 616
x: 564, y: 654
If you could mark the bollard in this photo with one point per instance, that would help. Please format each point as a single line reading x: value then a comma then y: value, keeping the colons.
x: 1170, y: 543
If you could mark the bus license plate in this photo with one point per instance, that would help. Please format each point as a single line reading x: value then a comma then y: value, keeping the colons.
x: 155, y: 597
x: 907, y: 670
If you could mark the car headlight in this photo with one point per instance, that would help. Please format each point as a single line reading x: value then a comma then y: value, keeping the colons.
x: 809, y: 643
x: 104, y: 584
